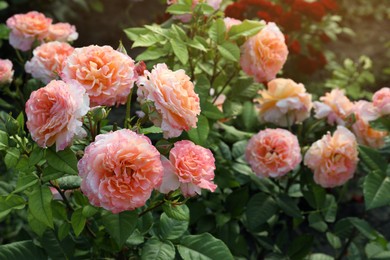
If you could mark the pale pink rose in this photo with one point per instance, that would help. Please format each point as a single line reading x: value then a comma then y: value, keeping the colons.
x: 120, y: 170
x: 6, y: 71
x: 190, y: 167
x: 54, y: 113
x: 185, y: 18
x: 381, y: 100
x: 26, y: 28
x: 335, y: 106
x: 229, y: 22
x: 175, y: 101
x: 62, y: 32
x: 106, y: 74
x: 273, y: 153
x: 264, y: 54
x: 284, y: 103
x: 366, y: 135
x: 333, y: 159
x: 47, y: 61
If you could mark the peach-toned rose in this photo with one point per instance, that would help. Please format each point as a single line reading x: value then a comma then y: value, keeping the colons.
x: 284, y: 103
x: 264, y: 54
x: 229, y: 22
x: 106, y: 74
x: 381, y: 100
x: 172, y: 93
x: 190, y: 167
x: 62, y: 32
x: 366, y: 135
x: 54, y: 113
x: 47, y: 61
x: 273, y: 153
x: 335, y: 106
x: 26, y: 28
x: 6, y: 71
x: 120, y: 170
x: 333, y: 159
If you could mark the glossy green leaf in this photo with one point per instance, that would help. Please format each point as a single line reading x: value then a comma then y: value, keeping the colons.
x: 260, y: 208
x: 229, y: 51
x: 21, y: 250
x: 376, y: 189
x: 178, y: 212
x: 40, y: 205
x: 203, y: 247
x: 217, y: 31
x: 172, y: 228
x: 180, y: 50
x: 159, y: 250
x: 10, y: 202
x: 11, y: 157
x: 289, y: 206
x: 199, y: 134
x: 179, y: 9
x: 372, y: 159
x: 63, y: 161
x: 78, y: 221
x: 120, y: 226
x: 211, y: 111
x: 246, y: 29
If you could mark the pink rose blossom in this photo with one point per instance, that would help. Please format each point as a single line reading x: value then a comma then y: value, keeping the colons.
x: 381, y: 100
x: 172, y: 93
x: 273, y: 153
x: 54, y: 113
x: 6, y: 71
x: 335, y: 106
x: 106, y: 74
x: 62, y: 32
x: 190, y: 167
x: 333, y: 159
x: 26, y: 28
x: 120, y: 170
x: 366, y: 135
x: 284, y: 103
x: 264, y: 54
x: 47, y: 61
x: 229, y: 22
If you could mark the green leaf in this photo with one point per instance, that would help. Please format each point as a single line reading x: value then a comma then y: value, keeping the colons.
x: 120, y: 226
x: 151, y: 130
x: 197, y: 43
x: 40, y: 205
x: 381, y: 124
x: 78, y: 221
x: 236, y: 201
x: 372, y: 159
x: 300, y: 247
x: 333, y: 240
x: 21, y: 250
x: 10, y: 202
x: 25, y: 180
x: 36, y: 156
x: 211, y: 111
x: 35, y: 225
x: 172, y: 228
x: 52, y: 245
x: 203, y: 247
x: 159, y: 250
x: 89, y: 211
x: 69, y: 182
x: 330, y: 208
x: 147, y: 40
x: 3, y: 140
x: 180, y: 50
x: 316, y: 222
x: 63, y: 161
x: 3, y: 5
x: 364, y: 227
x: 134, y: 33
x: 49, y: 173
x: 260, y: 208
x: 229, y: 51
x: 376, y: 189
x: 319, y: 256
x: 199, y: 134
x: 217, y: 31
x: 179, y: 9
x: 246, y: 29
x: 178, y: 212
x: 239, y: 148
x: 63, y: 230
x: 289, y: 206
x: 152, y: 53
x: 11, y: 157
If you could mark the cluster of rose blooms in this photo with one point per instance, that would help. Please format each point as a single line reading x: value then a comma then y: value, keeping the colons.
x: 120, y: 169
x: 289, y: 15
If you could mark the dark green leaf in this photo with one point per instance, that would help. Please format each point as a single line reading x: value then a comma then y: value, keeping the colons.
x: 372, y: 159
x: 40, y: 205
x: 261, y: 207
x: 229, y: 51
x: 199, y: 135
x: 316, y: 222
x: 120, y: 226
x: 78, y: 221
x: 211, y: 111
x: 172, y: 228
x: 288, y: 205
x: 10, y: 202
x: 21, y: 250
x: 300, y: 247
x: 159, y: 250
x: 63, y: 161
x: 376, y: 189
x: 178, y: 212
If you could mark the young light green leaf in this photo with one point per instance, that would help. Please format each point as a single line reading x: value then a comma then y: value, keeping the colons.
x: 229, y: 51
x: 217, y: 31
x: 180, y: 50
x: 246, y: 29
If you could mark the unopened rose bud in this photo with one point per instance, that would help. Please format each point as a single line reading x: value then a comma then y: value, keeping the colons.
x: 12, y: 126
x: 99, y: 113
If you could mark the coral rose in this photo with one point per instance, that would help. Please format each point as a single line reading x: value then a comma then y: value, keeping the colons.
x: 54, y: 113
x: 106, y: 74
x: 6, y: 71
x: 381, y: 100
x: 190, y: 167
x: 26, y: 28
x: 120, y: 170
x: 284, y: 103
x: 273, y: 153
x: 62, y: 32
x: 366, y: 135
x: 175, y: 101
x: 47, y: 61
x: 333, y: 158
x: 335, y: 106
x: 264, y: 54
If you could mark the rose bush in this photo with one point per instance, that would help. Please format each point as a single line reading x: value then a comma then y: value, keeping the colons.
x: 216, y: 157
